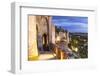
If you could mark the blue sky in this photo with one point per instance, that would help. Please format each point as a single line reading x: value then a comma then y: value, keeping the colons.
x: 71, y: 23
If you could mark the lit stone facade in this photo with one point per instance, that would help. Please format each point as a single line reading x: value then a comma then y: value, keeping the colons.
x: 32, y: 39
x: 41, y: 32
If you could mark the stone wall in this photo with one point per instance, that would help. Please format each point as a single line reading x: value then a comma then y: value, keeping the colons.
x: 38, y: 26
x: 44, y: 27
x: 32, y: 46
x: 53, y: 34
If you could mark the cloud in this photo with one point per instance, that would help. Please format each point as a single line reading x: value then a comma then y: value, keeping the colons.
x: 80, y: 24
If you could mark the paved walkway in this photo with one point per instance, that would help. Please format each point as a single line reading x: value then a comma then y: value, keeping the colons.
x: 46, y: 55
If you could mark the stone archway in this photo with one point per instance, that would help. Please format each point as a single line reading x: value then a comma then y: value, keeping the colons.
x: 43, y: 32
x: 46, y: 35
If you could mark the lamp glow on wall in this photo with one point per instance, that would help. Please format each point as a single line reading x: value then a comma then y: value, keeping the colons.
x: 58, y: 38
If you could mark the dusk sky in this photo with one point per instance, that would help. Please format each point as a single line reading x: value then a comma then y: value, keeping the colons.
x: 71, y: 23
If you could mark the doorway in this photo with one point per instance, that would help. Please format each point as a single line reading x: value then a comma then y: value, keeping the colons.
x: 45, y: 42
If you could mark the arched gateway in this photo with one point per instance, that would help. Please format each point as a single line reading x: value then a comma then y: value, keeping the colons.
x: 43, y: 33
